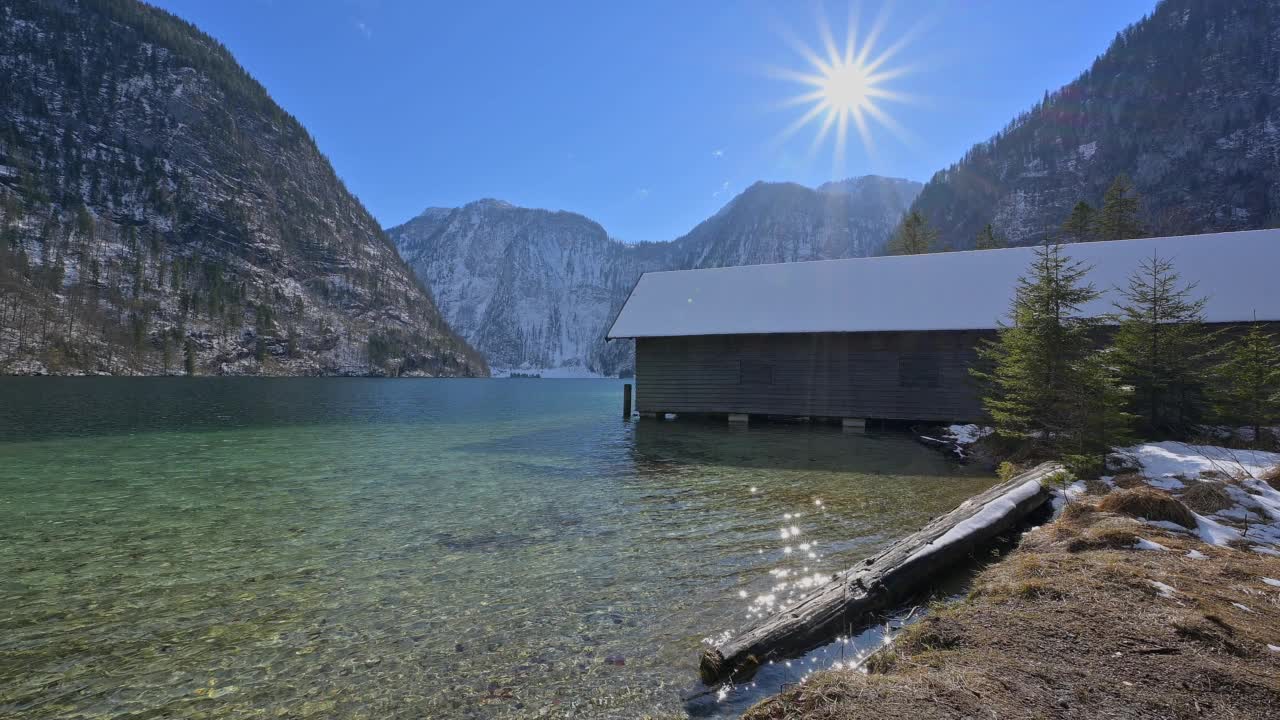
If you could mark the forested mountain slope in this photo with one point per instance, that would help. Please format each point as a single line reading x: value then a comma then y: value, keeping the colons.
x: 1185, y: 102
x: 159, y: 210
x: 786, y: 222
x: 537, y: 290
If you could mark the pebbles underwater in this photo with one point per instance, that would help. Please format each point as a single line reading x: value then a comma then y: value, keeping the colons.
x: 415, y: 548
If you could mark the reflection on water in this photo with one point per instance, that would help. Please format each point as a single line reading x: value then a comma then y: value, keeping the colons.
x: 406, y: 548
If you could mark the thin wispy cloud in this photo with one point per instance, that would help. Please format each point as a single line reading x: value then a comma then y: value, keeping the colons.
x: 722, y: 190
x: 717, y: 153
x: 364, y: 30
x: 642, y: 193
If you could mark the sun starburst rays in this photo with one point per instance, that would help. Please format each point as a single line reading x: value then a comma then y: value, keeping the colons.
x: 845, y: 86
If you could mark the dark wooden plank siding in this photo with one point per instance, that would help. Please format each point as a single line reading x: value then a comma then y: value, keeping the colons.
x: 891, y: 375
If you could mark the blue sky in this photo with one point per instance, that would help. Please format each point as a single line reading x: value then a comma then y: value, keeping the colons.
x: 646, y: 117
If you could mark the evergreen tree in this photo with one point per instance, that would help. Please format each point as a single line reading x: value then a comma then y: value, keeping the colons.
x: 987, y: 239
x: 913, y: 237
x: 1160, y: 348
x: 1038, y: 370
x: 1249, y: 382
x: 1098, y: 417
x: 189, y: 357
x: 166, y: 353
x: 1079, y: 224
x: 1117, y: 219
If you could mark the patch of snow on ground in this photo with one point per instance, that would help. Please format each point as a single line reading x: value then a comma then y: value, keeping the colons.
x: 1074, y: 491
x: 1242, y: 607
x: 1162, y: 589
x: 1167, y: 525
x: 1264, y: 550
x: 1255, y: 511
x: 1148, y: 545
x: 1197, y: 555
x: 1271, y: 581
x: 1171, y: 459
x: 1273, y: 648
x: 1215, y: 533
x: 967, y: 434
x: 1167, y: 483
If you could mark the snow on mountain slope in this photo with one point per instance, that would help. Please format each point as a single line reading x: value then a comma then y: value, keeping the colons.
x: 536, y: 290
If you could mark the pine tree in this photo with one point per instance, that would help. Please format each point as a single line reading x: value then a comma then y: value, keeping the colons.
x: 1117, y: 219
x: 987, y: 239
x: 1249, y: 382
x: 189, y: 359
x: 1079, y: 224
x: 1160, y: 348
x: 913, y: 237
x: 1098, y: 417
x: 166, y: 352
x: 1038, y: 369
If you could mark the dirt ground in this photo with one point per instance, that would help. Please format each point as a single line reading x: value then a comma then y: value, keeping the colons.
x: 1079, y: 622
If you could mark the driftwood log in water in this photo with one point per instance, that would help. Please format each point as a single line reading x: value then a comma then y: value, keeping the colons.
x: 879, y: 582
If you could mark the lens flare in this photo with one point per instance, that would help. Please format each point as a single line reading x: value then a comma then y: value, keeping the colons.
x: 847, y: 86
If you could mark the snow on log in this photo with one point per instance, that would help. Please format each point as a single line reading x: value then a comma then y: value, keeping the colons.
x: 879, y: 582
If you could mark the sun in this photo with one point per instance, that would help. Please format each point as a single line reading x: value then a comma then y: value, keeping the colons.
x: 847, y: 87
x: 844, y: 88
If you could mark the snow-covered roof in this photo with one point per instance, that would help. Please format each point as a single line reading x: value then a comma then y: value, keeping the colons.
x: 1239, y: 273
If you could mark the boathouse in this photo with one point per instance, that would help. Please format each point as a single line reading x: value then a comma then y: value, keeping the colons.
x: 885, y: 338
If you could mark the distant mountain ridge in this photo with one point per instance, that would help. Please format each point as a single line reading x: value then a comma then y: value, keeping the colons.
x: 536, y: 289
x: 158, y: 210
x: 1185, y: 102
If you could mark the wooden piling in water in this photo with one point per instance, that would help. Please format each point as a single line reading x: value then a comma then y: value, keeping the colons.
x: 626, y: 401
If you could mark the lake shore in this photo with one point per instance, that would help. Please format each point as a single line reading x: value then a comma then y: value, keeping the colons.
x: 1097, y: 613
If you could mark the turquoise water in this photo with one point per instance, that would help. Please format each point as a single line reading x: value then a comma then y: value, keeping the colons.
x: 228, y: 548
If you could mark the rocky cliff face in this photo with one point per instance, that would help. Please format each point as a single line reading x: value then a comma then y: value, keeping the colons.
x: 537, y: 290
x: 158, y: 210
x: 1185, y: 102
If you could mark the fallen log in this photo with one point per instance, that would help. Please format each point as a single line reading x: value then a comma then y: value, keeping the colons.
x: 879, y: 582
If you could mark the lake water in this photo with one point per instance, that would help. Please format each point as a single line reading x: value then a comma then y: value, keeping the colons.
x: 227, y: 548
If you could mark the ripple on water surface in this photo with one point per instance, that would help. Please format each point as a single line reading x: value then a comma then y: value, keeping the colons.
x: 348, y: 548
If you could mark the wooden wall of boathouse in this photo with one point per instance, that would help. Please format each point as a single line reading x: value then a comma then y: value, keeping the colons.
x: 878, y: 375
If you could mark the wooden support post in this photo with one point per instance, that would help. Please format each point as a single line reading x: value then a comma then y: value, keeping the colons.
x: 626, y: 401
x: 739, y: 418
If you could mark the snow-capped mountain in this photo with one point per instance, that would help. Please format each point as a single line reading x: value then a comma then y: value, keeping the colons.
x: 536, y: 290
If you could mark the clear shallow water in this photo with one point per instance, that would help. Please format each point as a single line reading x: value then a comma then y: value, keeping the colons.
x: 408, y: 548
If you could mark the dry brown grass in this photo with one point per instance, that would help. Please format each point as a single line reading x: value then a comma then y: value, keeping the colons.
x: 1130, y: 480
x: 1076, y: 510
x: 1206, y: 497
x: 1272, y: 477
x: 1148, y: 503
x: 1051, y: 632
x: 1094, y: 486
